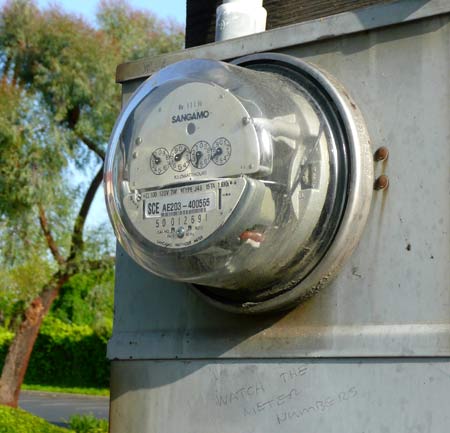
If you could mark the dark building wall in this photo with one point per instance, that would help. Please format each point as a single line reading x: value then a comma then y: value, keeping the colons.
x: 200, y: 21
x: 201, y: 14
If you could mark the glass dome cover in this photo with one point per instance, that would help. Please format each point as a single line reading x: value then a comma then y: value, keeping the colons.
x: 230, y: 178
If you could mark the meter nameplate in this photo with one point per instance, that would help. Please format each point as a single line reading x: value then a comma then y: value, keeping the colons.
x: 182, y: 204
x: 183, y: 216
x: 198, y: 131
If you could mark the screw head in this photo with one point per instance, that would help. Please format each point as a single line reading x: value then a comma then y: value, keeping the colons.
x: 138, y: 141
x: 180, y: 232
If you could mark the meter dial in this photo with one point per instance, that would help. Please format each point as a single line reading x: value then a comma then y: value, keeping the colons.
x: 221, y: 151
x: 180, y: 157
x: 201, y: 154
x: 159, y: 161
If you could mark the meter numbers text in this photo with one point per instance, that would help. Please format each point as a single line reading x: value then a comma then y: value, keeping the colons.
x: 199, y: 203
x: 184, y: 220
x: 178, y: 206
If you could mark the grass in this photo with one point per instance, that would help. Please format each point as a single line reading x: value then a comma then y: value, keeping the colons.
x: 19, y: 421
x: 104, y: 392
x: 88, y: 424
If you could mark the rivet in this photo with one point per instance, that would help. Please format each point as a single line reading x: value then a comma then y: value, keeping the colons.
x: 381, y: 154
x: 381, y: 183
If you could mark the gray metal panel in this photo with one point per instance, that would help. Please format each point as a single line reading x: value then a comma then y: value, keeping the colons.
x: 393, y: 297
x: 298, y: 34
x: 357, y: 396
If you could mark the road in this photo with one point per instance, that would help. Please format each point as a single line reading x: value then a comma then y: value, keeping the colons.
x: 58, y: 408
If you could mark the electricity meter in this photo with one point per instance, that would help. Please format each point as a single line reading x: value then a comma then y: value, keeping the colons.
x: 251, y: 181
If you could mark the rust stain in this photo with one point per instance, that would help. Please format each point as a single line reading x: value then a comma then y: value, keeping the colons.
x: 382, y: 181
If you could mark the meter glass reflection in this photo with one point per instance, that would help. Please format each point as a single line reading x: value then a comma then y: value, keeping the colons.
x: 227, y: 177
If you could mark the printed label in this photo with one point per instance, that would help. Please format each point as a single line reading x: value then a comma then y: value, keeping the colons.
x: 186, y: 215
x: 176, y: 206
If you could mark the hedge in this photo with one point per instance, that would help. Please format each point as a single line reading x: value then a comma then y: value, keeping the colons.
x: 65, y: 355
x: 19, y: 421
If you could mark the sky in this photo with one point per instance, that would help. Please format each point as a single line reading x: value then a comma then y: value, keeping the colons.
x: 163, y: 9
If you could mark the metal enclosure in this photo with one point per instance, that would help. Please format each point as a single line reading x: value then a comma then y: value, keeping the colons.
x: 370, y: 353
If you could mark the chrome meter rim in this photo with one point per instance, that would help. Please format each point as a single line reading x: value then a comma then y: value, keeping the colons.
x: 355, y: 203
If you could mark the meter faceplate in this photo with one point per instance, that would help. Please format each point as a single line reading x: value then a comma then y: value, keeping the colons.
x: 193, y: 133
x: 236, y: 179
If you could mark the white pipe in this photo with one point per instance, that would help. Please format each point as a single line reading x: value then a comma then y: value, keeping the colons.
x: 239, y: 18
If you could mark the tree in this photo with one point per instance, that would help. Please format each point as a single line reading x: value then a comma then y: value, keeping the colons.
x: 87, y: 299
x: 58, y: 102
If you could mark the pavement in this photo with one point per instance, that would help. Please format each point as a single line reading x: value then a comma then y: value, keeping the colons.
x: 57, y: 408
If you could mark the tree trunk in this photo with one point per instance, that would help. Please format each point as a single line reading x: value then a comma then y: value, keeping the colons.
x: 18, y: 357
